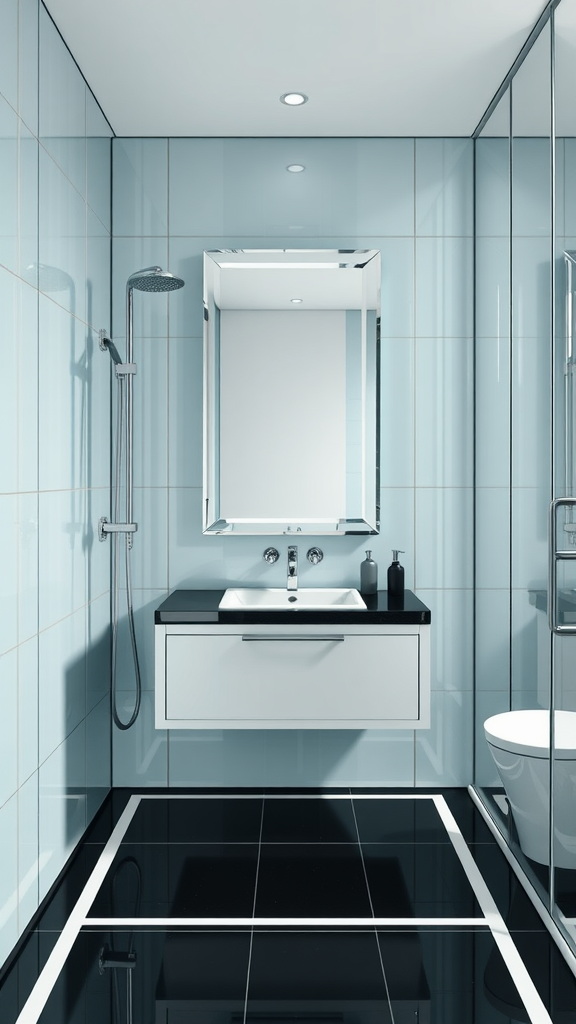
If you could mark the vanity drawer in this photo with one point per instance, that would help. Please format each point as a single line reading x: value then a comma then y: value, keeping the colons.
x: 322, y: 679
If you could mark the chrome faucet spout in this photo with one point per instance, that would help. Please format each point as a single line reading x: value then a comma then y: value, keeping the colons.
x: 292, y: 583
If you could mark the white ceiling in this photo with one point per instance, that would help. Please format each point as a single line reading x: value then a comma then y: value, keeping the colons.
x: 369, y: 67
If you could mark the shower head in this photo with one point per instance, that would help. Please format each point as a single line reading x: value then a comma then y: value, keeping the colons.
x: 154, y: 279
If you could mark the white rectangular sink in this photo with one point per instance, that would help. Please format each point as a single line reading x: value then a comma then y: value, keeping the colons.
x: 262, y: 599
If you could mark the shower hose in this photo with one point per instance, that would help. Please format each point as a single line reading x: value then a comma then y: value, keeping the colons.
x: 117, y: 540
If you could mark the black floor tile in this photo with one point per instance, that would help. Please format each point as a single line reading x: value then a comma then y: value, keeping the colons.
x: 467, y: 816
x: 308, y: 821
x: 210, y: 820
x: 323, y: 880
x: 399, y: 821
x: 516, y: 908
x: 101, y: 828
x: 66, y: 894
x: 316, y: 976
x: 179, y: 880
x: 425, y: 878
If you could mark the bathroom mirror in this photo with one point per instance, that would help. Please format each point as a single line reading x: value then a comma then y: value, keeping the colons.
x: 291, y: 391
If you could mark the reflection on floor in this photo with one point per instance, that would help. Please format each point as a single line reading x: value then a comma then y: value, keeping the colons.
x: 334, y: 907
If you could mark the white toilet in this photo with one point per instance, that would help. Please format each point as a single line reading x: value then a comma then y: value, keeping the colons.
x: 520, y: 745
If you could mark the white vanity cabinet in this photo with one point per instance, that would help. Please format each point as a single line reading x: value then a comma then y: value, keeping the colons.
x: 292, y: 676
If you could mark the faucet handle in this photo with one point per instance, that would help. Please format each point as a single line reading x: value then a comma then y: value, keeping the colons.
x: 315, y: 555
x: 271, y: 555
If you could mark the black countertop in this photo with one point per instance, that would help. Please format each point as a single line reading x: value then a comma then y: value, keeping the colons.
x: 197, y: 606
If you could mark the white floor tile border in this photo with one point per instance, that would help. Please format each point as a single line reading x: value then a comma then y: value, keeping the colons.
x: 78, y: 918
x: 286, y: 922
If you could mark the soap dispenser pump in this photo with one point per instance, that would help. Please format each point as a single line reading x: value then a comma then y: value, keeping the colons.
x: 368, y: 575
x: 396, y: 576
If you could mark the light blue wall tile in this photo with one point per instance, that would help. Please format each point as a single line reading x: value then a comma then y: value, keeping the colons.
x: 28, y: 206
x: 185, y: 412
x: 28, y: 853
x: 444, y: 287
x: 62, y: 805
x: 492, y: 287
x: 99, y: 157
x: 530, y: 661
x: 62, y: 682
x: 96, y: 552
x: 9, y: 532
x: 216, y: 757
x: 397, y: 530
x: 98, y: 757
x: 487, y: 704
x: 492, y: 640
x: 492, y: 395
x: 28, y: 389
x: 492, y: 537
x: 397, y: 297
x: 62, y: 560
x: 97, y: 650
x: 150, y: 392
x: 62, y: 239
x: 569, y: 196
x: 196, y: 185
x: 149, y: 310
x: 560, y: 188
x: 98, y: 261
x: 530, y: 536
x: 385, y: 186
x: 531, y: 411
x: 9, y: 381
x: 145, y: 603
x: 452, y: 638
x: 531, y: 186
x: 444, y: 752
x: 530, y: 287
x: 444, y: 187
x: 9, y: 52
x: 8, y: 876
x: 150, y: 551
x: 27, y: 709
x: 443, y: 537
x: 62, y: 398
x: 397, y: 412
x: 140, y: 192
x: 8, y: 725
x: 292, y: 757
x: 9, y: 187
x: 28, y: 63
x: 101, y: 398
x: 444, y: 397
x: 62, y: 111
x: 27, y: 553
x: 493, y: 187
x: 141, y: 753
x: 364, y: 758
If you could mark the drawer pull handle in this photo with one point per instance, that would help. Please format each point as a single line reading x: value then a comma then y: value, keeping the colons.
x: 297, y: 639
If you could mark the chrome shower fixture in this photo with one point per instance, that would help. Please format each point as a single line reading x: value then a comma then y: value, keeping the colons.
x: 154, y: 279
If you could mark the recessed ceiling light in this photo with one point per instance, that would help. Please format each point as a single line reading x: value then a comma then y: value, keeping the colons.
x: 295, y: 168
x: 296, y: 300
x: 294, y: 99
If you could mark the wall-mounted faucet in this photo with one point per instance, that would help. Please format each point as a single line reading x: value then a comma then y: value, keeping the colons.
x: 292, y: 583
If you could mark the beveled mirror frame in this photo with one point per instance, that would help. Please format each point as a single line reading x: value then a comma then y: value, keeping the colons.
x: 291, y: 405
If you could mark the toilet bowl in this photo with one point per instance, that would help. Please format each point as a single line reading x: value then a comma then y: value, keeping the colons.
x: 520, y: 745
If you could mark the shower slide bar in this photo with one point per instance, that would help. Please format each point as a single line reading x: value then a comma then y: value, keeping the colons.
x: 556, y: 555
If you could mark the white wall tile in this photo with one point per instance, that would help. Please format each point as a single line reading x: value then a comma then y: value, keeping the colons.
x: 444, y: 287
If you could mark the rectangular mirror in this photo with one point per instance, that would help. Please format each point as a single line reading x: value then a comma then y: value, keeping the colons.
x: 291, y: 391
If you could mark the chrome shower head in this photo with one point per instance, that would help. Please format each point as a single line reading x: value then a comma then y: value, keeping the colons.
x: 154, y: 279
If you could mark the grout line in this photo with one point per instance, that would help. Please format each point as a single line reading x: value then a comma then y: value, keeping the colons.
x: 518, y: 972
x: 40, y: 994
x: 286, y: 922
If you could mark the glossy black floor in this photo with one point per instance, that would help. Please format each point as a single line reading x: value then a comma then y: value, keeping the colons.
x: 292, y: 858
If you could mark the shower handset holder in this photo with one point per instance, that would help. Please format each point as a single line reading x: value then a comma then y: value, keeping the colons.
x: 105, y: 527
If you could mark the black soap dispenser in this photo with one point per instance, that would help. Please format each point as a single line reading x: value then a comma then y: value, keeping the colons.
x: 396, y: 577
x: 368, y: 575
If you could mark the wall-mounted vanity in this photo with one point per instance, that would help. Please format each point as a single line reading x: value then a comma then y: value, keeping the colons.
x: 344, y: 669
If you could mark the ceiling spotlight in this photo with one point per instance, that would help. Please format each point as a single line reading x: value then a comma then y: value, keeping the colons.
x: 296, y: 300
x: 295, y: 168
x: 294, y: 99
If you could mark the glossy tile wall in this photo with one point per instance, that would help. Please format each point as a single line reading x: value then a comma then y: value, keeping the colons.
x: 412, y: 199
x: 54, y: 469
